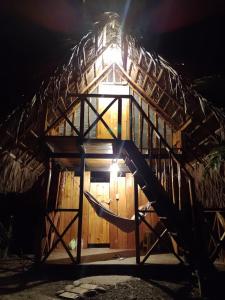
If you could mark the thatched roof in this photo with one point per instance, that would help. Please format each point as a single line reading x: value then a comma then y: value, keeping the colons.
x: 22, y: 153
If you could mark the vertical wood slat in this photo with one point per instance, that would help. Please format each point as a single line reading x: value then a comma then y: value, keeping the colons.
x: 160, y: 160
x: 125, y: 52
x: 125, y: 129
x: 172, y: 179
x: 141, y: 132
x: 142, y: 200
x: 156, y: 167
x: 130, y: 207
x: 47, y: 224
x: 82, y: 117
x: 56, y: 215
x: 49, y: 182
x: 157, y: 127
x: 179, y: 186
x: 131, y: 118
x: 69, y: 198
x: 151, y: 145
x: 80, y: 213
x: 119, y: 125
x: 98, y: 232
x: 85, y: 226
x: 137, y: 234
x: 164, y: 176
x: 113, y: 230
x: 122, y: 209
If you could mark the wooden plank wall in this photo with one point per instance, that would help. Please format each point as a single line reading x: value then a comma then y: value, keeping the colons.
x: 122, y: 203
x: 98, y: 232
x: 123, y: 189
x: 130, y: 207
x: 86, y: 206
x: 95, y: 230
x: 68, y: 198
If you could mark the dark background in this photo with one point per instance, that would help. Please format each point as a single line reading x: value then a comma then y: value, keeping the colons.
x: 36, y: 35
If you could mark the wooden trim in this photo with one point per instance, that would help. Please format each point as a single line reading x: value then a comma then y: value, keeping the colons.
x: 137, y: 234
x: 149, y: 99
x: 80, y: 213
x: 99, y: 118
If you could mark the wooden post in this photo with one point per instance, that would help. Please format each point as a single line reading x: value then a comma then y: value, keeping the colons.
x: 42, y: 238
x: 46, y: 242
x: 131, y: 118
x: 160, y: 160
x: 141, y: 132
x: 49, y: 182
x: 82, y: 117
x: 80, y: 213
x: 85, y: 224
x: 137, y: 235
x: 119, y: 128
x: 179, y: 186
x: 150, y: 145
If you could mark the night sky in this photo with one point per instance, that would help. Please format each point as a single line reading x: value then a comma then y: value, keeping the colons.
x: 36, y: 35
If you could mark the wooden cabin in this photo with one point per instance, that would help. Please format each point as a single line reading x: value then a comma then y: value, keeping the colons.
x: 119, y: 123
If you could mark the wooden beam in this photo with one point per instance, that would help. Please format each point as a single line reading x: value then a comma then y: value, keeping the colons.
x: 73, y: 104
x: 155, y: 85
x: 162, y: 89
x: 154, y: 154
x: 99, y: 116
x: 80, y: 213
x: 119, y: 121
x: 146, y: 75
x: 149, y: 99
x: 137, y: 234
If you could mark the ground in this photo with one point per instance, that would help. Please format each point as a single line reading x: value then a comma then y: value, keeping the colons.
x: 19, y: 280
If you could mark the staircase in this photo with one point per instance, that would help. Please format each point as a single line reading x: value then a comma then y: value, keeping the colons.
x: 179, y: 226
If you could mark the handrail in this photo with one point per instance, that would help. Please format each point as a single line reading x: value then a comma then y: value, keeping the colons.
x: 167, y: 147
x: 174, y: 167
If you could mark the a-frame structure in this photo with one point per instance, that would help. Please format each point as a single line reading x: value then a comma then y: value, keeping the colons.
x: 115, y: 101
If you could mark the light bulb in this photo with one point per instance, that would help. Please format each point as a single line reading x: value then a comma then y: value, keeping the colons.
x: 113, y: 55
x: 114, y: 168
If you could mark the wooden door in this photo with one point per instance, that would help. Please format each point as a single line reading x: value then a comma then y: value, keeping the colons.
x: 98, y: 227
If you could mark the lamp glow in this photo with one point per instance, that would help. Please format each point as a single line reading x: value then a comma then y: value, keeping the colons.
x: 113, y: 55
x: 114, y: 168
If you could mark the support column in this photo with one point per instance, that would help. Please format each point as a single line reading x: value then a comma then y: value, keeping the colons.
x: 119, y: 129
x: 137, y: 235
x: 42, y: 228
x: 80, y: 213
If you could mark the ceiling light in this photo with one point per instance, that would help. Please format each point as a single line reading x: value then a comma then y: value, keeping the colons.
x: 114, y: 168
x: 113, y: 55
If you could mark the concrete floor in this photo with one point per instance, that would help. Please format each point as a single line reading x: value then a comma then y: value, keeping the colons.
x: 110, y: 256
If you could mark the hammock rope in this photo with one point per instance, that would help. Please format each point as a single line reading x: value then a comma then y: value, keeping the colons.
x: 125, y: 224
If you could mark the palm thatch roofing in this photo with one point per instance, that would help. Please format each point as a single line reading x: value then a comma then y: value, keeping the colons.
x: 22, y: 154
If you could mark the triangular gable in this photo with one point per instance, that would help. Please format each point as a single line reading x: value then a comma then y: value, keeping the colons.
x: 89, y: 63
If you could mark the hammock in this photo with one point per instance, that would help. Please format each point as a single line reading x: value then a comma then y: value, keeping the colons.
x: 125, y: 224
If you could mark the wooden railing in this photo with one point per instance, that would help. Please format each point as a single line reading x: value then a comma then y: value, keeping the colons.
x: 165, y: 161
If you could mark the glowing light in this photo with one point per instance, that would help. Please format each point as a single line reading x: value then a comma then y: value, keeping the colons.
x: 114, y: 168
x: 113, y: 55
